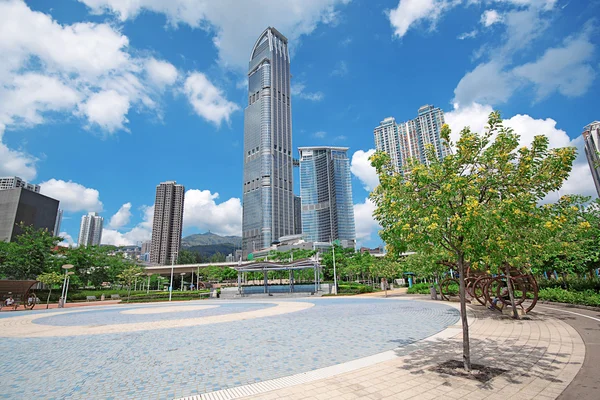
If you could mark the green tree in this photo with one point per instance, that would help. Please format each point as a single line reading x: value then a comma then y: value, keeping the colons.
x: 50, y: 279
x: 187, y: 257
x: 439, y: 207
x: 30, y: 254
x: 128, y: 276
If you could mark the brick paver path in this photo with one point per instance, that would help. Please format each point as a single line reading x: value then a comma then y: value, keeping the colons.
x: 542, y: 355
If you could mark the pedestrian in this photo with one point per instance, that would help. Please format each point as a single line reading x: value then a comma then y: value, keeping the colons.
x: 503, y: 295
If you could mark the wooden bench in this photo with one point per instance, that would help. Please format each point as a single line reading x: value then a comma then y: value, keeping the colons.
x: 91, y: 298
x: 115, y: 297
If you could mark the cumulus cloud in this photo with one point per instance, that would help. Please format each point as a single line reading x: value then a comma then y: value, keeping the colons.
x: 298, y: 90
x: 201, y: 211
x: 366, y: 226
x: 108, y: 109
x: 361, y: 167
x: 73, y: 197
x: 162, y: 73
x: 409, y: 12
x: 16, y: 162
x: 140, y: 233
x: 208, y: 101
x: 490, y: 17
x: 235, y: 24
x: 121, y: 217
x: 67, y: 240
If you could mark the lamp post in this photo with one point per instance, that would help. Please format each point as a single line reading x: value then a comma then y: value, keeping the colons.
x: 334, y: 271
x: 182, y: 275
x: 148, y: 285
x: 67, y: 289
x: 66, y: 267
x: 172, y: 266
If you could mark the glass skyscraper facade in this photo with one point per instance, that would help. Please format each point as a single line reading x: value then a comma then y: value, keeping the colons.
x: 407, y: 140
x: 591, y: 137
x: 326, y: 195
x: 268, y: 197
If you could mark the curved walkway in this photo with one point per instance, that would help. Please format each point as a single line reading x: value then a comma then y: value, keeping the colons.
x: 542, y: 355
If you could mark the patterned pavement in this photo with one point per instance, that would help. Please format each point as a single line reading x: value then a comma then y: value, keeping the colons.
x: 132, y: 352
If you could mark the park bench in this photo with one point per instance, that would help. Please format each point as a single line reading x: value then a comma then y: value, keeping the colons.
x: 91, y: 298
x: 114, y: 297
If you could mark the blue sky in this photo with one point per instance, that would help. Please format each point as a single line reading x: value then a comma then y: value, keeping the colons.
x: 100, y: 100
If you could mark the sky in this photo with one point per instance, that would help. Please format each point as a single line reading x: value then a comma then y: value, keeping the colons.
x: 101, y: 100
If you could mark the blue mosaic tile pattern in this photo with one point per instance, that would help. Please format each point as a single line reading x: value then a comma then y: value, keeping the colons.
x: 178, y: 362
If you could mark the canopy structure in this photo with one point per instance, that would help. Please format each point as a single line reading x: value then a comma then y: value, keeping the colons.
x: 18, y: 290
x: 267, y: 266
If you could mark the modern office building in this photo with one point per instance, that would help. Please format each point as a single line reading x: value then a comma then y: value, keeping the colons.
x: 90, y: 230
x: 13, y: 182
x: 591, y: 137
x: 20, y: 205
x: 168, y: 223
x: 268, y: 197
x: 326, y: 194
x: 297, y: 215
x: 58, y: 222
x: 407, y: 140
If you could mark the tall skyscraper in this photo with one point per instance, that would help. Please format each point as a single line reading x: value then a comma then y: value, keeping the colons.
x: 168, y: 223
x: 20, y: 205
x: 297, y: 215
x: 90, y: 231
x: 59, y: 216
x: 13, y: 182
x: 326, y: 194
x: 407, y: 140
x: 591, y: 136
x: 268, y: 197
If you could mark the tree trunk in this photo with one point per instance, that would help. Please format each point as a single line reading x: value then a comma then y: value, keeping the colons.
x: 511, y: 292
x: 463, y: 314
x: 128, y: 292
x: 48, y: 299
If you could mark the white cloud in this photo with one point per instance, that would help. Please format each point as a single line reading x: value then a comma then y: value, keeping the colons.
x: 121, y: 217
x: 476, y: 115
x: 298, y: 91
x: 361, y: 167
x: 16, y: 162
x: 73, y: 197
x: 319, y: 134
x: 201, y: 211
x: 108, y: 109
x: 366, y: 226
x: 468, y: 35
x: 341, y: 69
x: 487, y: 83
x: 490, y: 17
x: 67, y: 240
x: 208, y: 101
x: 235, y: 24
x: 409, y: 12
x: 162, y: 73
x: 140, y: 233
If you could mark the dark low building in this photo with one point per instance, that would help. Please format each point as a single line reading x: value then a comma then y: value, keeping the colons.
x: 31, y: 208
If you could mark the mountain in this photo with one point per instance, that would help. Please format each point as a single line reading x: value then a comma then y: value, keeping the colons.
x: 209, y: 238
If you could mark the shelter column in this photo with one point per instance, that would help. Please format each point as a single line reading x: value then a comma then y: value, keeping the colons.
x: 265, y: 274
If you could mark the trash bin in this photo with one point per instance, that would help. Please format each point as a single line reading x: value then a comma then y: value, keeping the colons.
x: 433, y: 292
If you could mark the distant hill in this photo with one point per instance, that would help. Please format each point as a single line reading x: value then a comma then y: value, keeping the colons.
x: 209, y: 238
x: 206, y: 251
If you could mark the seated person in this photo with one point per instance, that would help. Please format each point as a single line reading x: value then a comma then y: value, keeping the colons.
x: 9, y: 302
x: 31, y: 299
x: 503, y: 295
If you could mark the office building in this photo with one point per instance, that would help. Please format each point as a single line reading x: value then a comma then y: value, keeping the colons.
x: 20, y: 205
x: 90, y: 230
x: 297, y: 215
x: 58, y: 222
x: 13, y: 182
x: 168, y: 223
x: 268, y: 197
x: 146, y: 246
x: 407, y: 140
x: 591, y: 137
x: 326, y: 195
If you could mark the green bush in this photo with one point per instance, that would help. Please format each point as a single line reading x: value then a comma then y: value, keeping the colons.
x: 353, y: 288
x: 587, y: 297
x: 419, y: 288
x: 571, y: 283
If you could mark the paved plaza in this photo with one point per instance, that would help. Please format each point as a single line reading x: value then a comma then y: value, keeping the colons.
x: 176, y: 350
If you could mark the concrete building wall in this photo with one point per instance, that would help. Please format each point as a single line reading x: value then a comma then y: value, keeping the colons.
x: 30, y: 208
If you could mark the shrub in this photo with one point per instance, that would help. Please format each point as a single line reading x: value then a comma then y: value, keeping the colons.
x: 587, y: 297
x: 419, y: 288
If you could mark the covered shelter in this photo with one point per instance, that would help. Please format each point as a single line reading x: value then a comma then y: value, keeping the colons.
x: 267, y: 266
x: 17, y: 289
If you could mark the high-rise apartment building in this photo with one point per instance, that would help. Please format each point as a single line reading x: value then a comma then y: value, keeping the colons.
x: 58, y: 222
x: 90, y: 230
x: 268, y: 197
x: 591, y: 137
x: 168, y: 223
x: 407, y: 140
x: 326, y: 194
x: 13, y: 182
x: 297, y: 215
x: 21, y: 206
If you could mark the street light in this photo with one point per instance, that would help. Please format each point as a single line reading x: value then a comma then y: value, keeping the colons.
x: 172, y: 265
x: 66, y: 267
x: 148, y: 286
x: 182, y: 275
x: 67, y: 289
x: 334, y: 272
